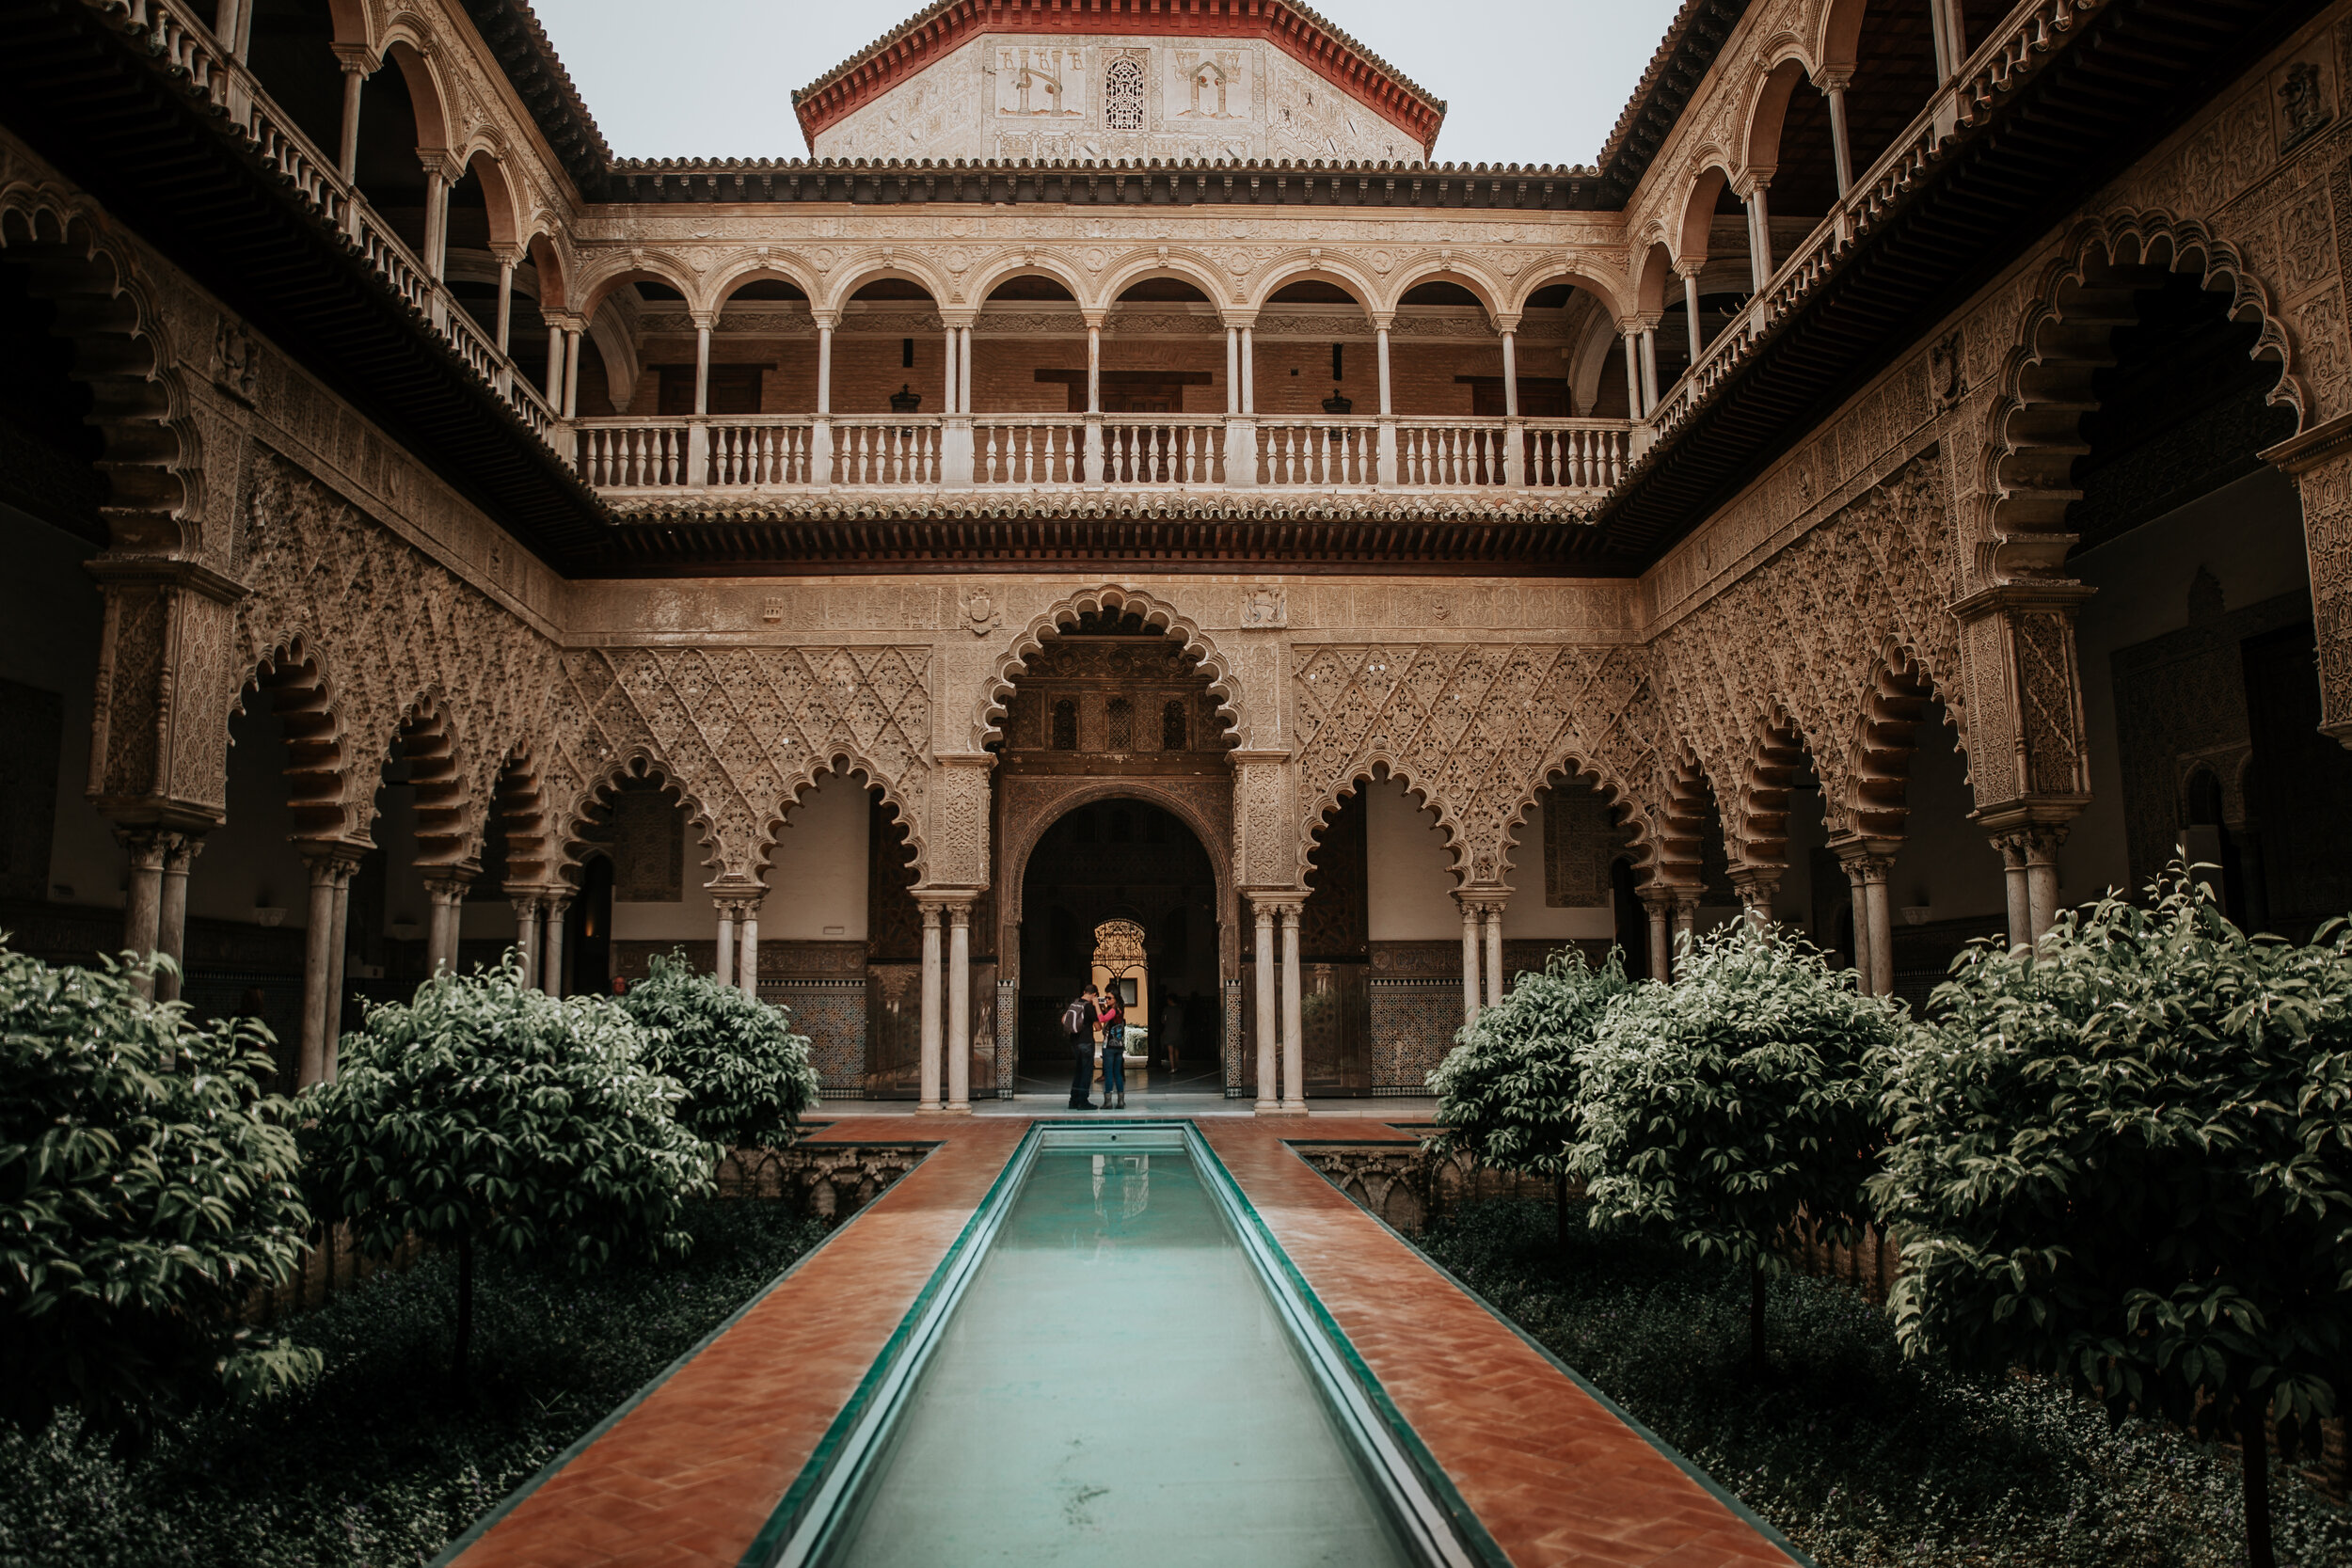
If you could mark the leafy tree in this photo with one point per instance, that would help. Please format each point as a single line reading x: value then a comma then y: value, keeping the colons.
x: 483, y: 1111
x: 1718, y: 1108
x: 2125, y: 1161
x: 147, y: 1184
x: 745, y: 1073
x: 1506, y: 1093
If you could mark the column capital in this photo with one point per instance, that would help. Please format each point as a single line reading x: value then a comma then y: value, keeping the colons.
x: 1658, y: 898
x: 1383, y: 320
x: 1238, y: 321
x: 440, y: 160
x: 1753, y: 181
x: 1871, y: 856
x: 1833, y: 81
x: 1482, y: 898
x: 1275, y: 901
x: 1758, y: 883
x: 2029, y: 842
x: 355, y: 58
x: 1095, y: 316
x: 826, y: 321
x: 1506, y: 322
x: 957, y: 321
x: 332, y: 856
x: 448, y: 884
x: 705, y: 320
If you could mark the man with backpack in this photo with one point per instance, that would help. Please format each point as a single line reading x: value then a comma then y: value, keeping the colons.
x: 1077, y: 1021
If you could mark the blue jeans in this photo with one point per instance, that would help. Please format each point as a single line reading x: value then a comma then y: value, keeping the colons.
x: 1114, y: 1061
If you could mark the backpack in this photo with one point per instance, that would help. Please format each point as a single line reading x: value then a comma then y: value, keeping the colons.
x: 1077, y: 1019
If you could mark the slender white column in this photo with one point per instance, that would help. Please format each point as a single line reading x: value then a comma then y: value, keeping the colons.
x: 1380, y: 336
x: 435, y: 219
x: 950, y: 394
x: 1866, y: 973
x: 172, y: 925
x: 1248, y: 374
x: 724, y: 969
x: 747, y: 938
x: 338, y: 950
x: 1686, y: 919
x: 959, y: 1006
x: 2019, y: 887
x: 964, y: 367
x: 1947, y: 54
x: 355, y: 77
x: 1840, y: 144
x: 318, y: 934
x: 1510, y: 373
x: 447, y: 890
x: 1659, y: 908
x: 1761, y: 235
x: 571, y: 373
x: 931, y: 1008
x: 1469, y: 963
x: 506, y: 299
x: 1094, y: 368
x: 824, y: 367
x: 1881, y: 927
x: 527, y: 941
x: 1269, y: 1086
x: 1691, y: 308
x: 1294, y: 1018
x: 143, y: 899
x: 1493, y: 914
x: 1232, y: 369
x: 1633, y: 375
x: 1649, y: 371
x: 702, y: 367
x: 551, y: 968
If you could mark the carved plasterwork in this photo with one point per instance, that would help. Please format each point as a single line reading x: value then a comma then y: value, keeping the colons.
x: 1474, y: 729
x: 1239, y: 700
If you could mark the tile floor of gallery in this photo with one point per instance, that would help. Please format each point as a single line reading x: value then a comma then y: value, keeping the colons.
x: 691, y: 1473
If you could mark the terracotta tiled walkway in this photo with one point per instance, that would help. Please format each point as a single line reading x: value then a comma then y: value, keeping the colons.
x: 689, y: 1475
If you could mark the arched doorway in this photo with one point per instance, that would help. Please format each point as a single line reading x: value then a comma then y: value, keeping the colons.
x: 1119, y: 892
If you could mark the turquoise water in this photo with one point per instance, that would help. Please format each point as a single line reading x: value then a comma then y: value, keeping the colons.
x: 1116, y: 1389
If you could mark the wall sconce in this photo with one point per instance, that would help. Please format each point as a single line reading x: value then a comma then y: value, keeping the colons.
x: 268, y: 916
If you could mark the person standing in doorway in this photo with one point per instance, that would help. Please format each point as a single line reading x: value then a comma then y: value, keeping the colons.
x: 1114, y: 1049
x: 1078, y: 1021
x: 1168, y: 1030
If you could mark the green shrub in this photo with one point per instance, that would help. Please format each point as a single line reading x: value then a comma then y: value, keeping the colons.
x: 145, y: 1186
x: 745, y: 1073
x: 486, y: 1111
x: 1506, y: 1094
x: 1720, y: 1108
x: 2124, y: 1161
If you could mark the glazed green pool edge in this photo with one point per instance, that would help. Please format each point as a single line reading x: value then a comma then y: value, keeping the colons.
x: 1114, y: 1387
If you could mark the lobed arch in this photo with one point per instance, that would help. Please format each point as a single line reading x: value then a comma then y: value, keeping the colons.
x: 429, y: 740
x: 1374, y: 768
x: 858, y: 271
x: 294, y: 677
x: 559, y: 830
x: 595, y: 287
x: 1756, y: 827
x: 1236, y: 704
x: 518, y: 797
x: 845, y: 762
x: 1303, y: 266
x: 2033, y: 430
x: 1684, y: 793
x: 1874, y: 803
x: 1620, y: 800
x: 151, y: 452
x: 771, y: 268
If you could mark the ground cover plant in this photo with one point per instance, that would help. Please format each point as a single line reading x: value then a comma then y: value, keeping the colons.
x: 1865, y: 1458
x: 745, y: 1073
x: 485, y: 1113
x: 2124, y: 1161
x: 146, y: 1184
x: 1506, y: 1094
x: 378, y: 1463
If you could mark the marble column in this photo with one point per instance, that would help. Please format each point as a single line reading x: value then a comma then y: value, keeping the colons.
x: 143, y: 897
x: 338, y: 956
x: 551, y: 924
x: 171, y: 927
x: 1841, y: 155
x: 930, y: 1008
x: 1269, y: 1083
x: 447, y: 889
x: 530, y: 936
x: 1867, y: 863
x: 1492, y: 916
x: 1691, y: 311
x: 318, y: 936
x: 1294, y: 1018
x: 1686, y: 925
x: 724, y: 968
x: 1757, y: 886
x: 959, y: 1006
x: 1657, y: 905
x: 2029, y: 861
x: 1470, y: 960
x: 1858, y: 900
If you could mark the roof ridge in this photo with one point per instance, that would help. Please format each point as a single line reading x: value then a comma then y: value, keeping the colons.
x: 940, y: 7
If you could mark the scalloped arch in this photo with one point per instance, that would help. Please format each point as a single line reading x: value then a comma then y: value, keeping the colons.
x: 1367, y: 768
x: 564, y: 821
x: 293, y: 676
x: 839, y: 761
x: 1235, y: 705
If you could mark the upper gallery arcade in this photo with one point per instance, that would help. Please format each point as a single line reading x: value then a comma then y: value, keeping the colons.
x: 1880, y: 493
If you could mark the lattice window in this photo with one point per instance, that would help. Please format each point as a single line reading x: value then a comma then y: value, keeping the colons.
x: 1172, y: 736
x: 1122, y: 96
x: 1122, y: 725
x: 1066, y: 726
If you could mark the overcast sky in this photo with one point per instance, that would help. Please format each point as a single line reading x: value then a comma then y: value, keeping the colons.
x: 1524, y: 81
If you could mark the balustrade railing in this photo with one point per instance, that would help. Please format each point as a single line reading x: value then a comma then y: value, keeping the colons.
x: 1133, y: 452
x: 185, y: 42
x: 2025, y: 42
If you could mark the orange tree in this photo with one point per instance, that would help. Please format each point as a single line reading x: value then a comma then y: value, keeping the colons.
x: 1506, y: 1094
x: 745, y: 1073
x: 2125, y: 1160
x: 485, y: 1111
x: 146, y: 1185
x: 1719, y: 1109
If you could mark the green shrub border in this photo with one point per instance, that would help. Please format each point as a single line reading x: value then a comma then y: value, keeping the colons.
x: 549, y: 1471
x: 1714, y: 1488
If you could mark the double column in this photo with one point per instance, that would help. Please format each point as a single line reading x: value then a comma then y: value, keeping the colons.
x: 446, y: 886
x: 946, y: 1043
x: 954, y: 434
x: 155, y: 902
x: 538, y: 935
x: 328, y: 925
x: 739, y: 939
x: 1281, y: 1058
x: 1481, y: 948
x: 562, y: 378
x: 1866, y: 861
x: 1241, y: 402
x: 2028, y: 844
